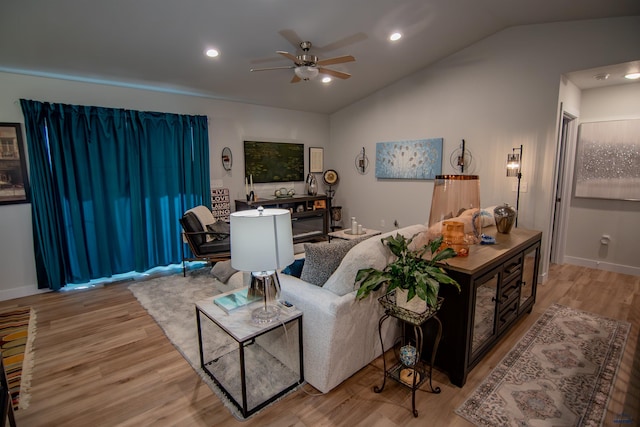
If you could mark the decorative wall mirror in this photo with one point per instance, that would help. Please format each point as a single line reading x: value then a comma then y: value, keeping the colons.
x: 227, y: 158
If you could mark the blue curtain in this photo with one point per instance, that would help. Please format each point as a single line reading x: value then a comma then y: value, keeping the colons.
x: 108, y: 187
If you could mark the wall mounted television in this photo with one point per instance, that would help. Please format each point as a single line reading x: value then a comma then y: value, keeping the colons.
x: 273, y: 161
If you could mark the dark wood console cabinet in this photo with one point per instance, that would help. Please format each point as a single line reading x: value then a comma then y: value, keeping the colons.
x: 498, y: 287
x: 309, y: 214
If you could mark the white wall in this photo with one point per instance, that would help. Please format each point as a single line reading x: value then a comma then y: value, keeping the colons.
x: 229, y: 124
x: 589, y: 219
x: 496, y: 94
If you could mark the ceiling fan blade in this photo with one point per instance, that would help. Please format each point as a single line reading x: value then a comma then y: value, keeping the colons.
x: 334, y: 73
x: 336, y: 60
x: 287, y: 55
x: 292, y: 37
x: 344, y: 42
x: 295, y: 79
x: 273, y: 68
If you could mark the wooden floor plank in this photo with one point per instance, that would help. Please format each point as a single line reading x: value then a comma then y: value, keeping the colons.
x: 101, y: 360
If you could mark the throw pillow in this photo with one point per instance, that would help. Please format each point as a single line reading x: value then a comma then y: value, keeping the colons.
x: 223, y: 271
x: 322, y: 259
x: 294, y: 269
x: 221, y: 228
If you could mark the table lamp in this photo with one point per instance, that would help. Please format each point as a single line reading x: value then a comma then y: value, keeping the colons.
x: 262, y: 242
x: 455, y: 208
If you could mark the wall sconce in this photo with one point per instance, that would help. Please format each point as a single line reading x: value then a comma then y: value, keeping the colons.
x: 514, y: 168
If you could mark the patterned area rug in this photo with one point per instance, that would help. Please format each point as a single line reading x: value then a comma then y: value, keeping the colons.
x: 17, y: 331
x: 560, y: 373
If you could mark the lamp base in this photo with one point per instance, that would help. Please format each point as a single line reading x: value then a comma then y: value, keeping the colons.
x: 267, y: 285
x: 265, y: 314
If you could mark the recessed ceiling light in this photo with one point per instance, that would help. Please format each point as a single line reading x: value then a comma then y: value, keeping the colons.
x: 212, y: 53
x: 395, y: 36
x: 632, y: 76
x: 326, y: 79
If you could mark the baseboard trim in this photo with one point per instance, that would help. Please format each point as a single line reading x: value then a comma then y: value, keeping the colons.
x: 7, y: 294
x: 599, y: 265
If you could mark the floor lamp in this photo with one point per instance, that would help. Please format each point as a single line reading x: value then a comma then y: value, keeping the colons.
x: 262, y: 242
x: 514, y: 168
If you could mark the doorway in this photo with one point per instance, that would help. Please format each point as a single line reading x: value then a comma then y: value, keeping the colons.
x: 562, y: 198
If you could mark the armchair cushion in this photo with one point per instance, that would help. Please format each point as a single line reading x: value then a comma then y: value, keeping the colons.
x: 191, y: 224
x: 219, y: 230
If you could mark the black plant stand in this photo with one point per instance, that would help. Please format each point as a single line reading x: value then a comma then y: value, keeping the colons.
x: 415, y: 320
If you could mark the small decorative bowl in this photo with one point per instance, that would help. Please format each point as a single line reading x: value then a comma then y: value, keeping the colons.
x: 408, y: 355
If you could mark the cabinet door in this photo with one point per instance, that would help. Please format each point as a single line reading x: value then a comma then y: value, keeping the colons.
x: 484, y: 312
x: 529, y: 277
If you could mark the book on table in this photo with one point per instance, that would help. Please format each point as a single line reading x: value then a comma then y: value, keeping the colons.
x: 235, y: 300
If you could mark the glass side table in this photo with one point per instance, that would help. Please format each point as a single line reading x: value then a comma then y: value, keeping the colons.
x: 411, y: 374
x: 255, y: 364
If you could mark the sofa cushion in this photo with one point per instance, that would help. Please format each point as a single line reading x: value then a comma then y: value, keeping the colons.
x: 371, y: 253
x: 322, y: 259
x: 223, y: 271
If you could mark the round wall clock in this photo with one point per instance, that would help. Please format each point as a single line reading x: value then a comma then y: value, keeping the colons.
x: 330, y: 177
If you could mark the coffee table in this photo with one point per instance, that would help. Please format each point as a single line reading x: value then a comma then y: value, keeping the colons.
x: 271, y: 348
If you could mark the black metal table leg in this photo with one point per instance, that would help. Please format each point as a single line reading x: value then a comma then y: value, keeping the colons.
x: 417, y: 332
x: 433, y: 355
x: 200, y: 338
x: 384, y: 361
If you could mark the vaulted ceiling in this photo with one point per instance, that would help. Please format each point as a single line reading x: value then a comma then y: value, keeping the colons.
x: 161, y: 43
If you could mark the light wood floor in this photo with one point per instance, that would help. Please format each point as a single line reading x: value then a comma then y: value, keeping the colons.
x: 101, y: 360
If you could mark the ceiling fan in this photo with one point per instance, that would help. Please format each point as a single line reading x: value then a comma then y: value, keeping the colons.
x: 307, y: 66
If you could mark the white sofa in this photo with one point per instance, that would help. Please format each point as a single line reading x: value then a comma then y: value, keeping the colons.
x: 340, y: 333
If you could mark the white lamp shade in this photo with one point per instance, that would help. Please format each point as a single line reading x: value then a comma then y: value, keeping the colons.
x: 261, y: 240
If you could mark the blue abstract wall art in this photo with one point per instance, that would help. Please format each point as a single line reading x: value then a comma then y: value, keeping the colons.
x: 418, y: 159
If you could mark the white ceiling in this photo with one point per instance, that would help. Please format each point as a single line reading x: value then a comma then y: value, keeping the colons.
x: 160, y: 43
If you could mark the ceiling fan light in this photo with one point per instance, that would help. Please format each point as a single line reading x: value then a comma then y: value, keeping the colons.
x: 306, y: 73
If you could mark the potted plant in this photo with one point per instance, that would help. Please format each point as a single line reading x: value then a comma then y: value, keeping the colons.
x: 410, y: 273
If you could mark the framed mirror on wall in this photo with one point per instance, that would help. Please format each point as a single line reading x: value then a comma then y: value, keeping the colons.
x: 227, y: 158
x: 14, y: 183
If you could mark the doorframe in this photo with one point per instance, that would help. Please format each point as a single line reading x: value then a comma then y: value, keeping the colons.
x: 565, y: 163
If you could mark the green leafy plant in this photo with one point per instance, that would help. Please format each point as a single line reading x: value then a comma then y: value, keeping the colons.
x: 411, y: 271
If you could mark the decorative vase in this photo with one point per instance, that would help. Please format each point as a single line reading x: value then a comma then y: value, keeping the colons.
x: 312, y: 185
x: 505, y: 216
x: 416, y: 304
x: 408, y: 355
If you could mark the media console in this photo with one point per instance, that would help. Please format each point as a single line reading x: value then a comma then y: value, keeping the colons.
x: 499, y: 285
x: 309, y: 214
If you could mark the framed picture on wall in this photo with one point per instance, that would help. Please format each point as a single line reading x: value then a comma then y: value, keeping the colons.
x: 316, y: 161
x: 14, y: 183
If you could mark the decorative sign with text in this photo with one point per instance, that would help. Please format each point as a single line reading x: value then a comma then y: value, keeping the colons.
x: 220, y: 207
